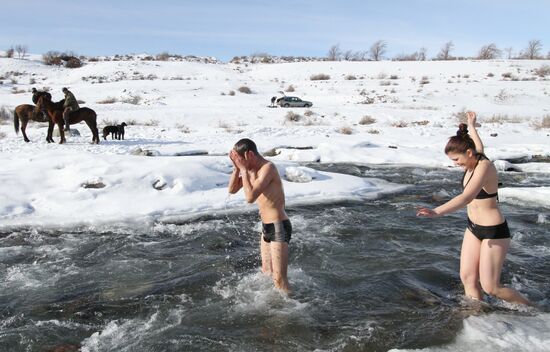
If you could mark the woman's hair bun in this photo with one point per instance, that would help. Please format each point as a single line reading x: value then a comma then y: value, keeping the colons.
x: 462, y: 130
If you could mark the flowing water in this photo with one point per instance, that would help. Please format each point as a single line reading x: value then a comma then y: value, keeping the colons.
x: 366, y: 276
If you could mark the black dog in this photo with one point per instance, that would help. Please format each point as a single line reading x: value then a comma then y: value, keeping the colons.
x: 117, y: 132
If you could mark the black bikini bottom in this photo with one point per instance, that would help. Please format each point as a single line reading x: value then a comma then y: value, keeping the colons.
x: 489, y: 232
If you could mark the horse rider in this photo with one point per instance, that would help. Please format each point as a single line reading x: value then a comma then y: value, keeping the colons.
x: 69, y: 105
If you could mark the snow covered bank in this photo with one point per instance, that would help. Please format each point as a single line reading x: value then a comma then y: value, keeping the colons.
x: 92, y: 188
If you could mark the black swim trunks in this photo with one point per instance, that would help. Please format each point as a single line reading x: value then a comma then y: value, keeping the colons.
x: 279, y: 231
x: 494, y: 232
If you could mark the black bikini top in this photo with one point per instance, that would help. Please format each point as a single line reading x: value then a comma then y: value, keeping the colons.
x: 482, y: 194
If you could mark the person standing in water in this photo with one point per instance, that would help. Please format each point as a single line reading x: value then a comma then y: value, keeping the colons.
x: 487, y: 236
x: 262, y: 184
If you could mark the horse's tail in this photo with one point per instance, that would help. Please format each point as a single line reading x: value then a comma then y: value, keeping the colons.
x: 16, y: 121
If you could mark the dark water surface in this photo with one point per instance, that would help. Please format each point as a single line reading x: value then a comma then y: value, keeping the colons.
x: 366, y: 276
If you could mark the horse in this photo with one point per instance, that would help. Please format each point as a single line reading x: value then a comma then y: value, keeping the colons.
x: 24, y: 113
x: 55, y: 113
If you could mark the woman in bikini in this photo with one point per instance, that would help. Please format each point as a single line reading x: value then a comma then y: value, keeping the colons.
x: 487, y: 237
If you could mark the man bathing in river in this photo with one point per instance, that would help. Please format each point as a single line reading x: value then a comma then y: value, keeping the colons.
x: 262, y: 184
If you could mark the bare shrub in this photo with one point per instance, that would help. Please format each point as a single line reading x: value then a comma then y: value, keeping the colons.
x: 500, y: 119
x: 109, y: 122
x: 544, y: 122
x: 183, y: 128
x: 164, y: 56
x: 108, y: 100
x: 424, y: 80
x: 5, y: 115
x: 10, y: 52
x: 293, y: 117
x: 502, y: 96
x: 52, y: 58
x: 290, y: 88
x: 460, y: 116
x: 543, y: 71
x: 73, y: 62
x: 385, y: 83
x: 131, y: 122
x: 345, y: 130
x: 490, y: 74
x: 367, y: 120
x: 351, y: 77
x: 507, y: 75
x: 373, y: 131
x: 55, y: 58
x: 245, y: 90
x: 319, y: 77
x: 420, y: 123
x: 231, y: 93
x: 151, y: 122
x: 309, y: 113
x: 400, y: 124
x: 132, y: 99
x: 394, y: 77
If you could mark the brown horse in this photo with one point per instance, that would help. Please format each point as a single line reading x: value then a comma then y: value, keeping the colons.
x: 55, y: 113
x: 24, y: 113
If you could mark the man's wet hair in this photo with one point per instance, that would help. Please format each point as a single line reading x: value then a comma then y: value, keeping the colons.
x: 245, y: 145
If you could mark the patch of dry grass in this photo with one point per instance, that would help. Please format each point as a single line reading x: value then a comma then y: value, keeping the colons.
x: 345, y: 130
x: 319, y: 77
x: 544, y: 123
x: 367, y: 120
x: 108, y: 100
x: 400, y: 124
x: 500, y: 119
x: 245, y: 90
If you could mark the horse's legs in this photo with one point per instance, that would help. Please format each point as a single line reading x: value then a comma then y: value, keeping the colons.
x: 49, y: 138
x: 23, y: 128
x: 61, y: 132
x: 93, y: 127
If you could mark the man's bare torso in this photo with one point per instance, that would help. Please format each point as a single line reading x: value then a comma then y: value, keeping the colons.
x: 271, y: 202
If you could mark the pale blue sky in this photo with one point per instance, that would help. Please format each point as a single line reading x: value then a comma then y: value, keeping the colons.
x: 300, y: 27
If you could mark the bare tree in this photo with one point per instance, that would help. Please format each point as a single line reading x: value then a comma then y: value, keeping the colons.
x: 21, y: 51
x: 377, y: 50
x: 360, y: 56
x: 348, y: 55
x: 334, y: 53
x: 489, y: 52
x: 533, y: 49
x: 422, y: 54
x: 445, y: 52
x: 509, y: 52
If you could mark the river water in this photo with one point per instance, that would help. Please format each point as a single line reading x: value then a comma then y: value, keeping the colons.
x: 366, y: 276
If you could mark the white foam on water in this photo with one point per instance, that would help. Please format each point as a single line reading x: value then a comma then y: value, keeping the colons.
x: 130, y: 334
x: 500, y: 333
x: 255, y: 293
x: 542, y: 219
